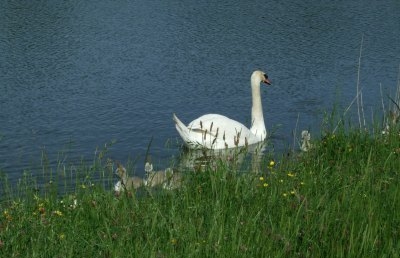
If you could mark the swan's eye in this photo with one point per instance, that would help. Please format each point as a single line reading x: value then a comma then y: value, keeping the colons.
x: 266, y: 76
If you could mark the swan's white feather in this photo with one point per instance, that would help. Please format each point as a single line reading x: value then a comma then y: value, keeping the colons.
x: 224, y: 132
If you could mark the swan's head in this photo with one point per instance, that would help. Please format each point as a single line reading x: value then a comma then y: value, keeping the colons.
x: 260, y: 76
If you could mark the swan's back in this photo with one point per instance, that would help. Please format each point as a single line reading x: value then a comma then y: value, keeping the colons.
x: 216, y: 131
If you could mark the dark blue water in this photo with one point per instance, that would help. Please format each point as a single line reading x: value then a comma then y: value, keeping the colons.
x: 75, y: 75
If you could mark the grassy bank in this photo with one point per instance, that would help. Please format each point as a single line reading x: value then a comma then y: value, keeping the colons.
x: 340, y: 199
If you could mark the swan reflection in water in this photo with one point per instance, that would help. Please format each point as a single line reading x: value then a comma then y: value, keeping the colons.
x: 236, y: 158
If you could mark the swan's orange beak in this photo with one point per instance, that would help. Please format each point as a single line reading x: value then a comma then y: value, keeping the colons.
x: 267, y: 81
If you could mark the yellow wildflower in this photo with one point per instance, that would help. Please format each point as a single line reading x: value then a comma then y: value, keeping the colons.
x: 7, y: 215
x: 261, y: 178
x: 265, y: 184
x: 272, y: 163
x: 61, y: 236
x: 58, y: 213
x: 284, y: 194
x: 290, y: 174
x: 174, y: 241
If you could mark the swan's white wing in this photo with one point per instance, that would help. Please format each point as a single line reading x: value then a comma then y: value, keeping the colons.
x: 213, y: 122
x: 217, y: 131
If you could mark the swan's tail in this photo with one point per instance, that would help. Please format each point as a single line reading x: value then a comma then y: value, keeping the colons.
x: 181, y: 128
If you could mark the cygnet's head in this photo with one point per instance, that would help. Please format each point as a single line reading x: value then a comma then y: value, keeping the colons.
x: 120, y: 171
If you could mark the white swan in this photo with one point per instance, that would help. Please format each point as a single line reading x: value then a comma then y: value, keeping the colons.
x: 214, y: 131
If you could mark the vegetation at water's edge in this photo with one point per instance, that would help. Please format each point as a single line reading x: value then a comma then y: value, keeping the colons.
x: 340, y: 199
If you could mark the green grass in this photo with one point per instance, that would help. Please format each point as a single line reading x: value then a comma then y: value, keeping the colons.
x: 341, y: 199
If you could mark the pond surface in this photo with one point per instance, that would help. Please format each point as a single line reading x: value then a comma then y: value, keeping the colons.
x: 76, y: 75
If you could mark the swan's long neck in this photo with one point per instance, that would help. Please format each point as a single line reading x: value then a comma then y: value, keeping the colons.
x: 124, y: 179
x: 257, y: 117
